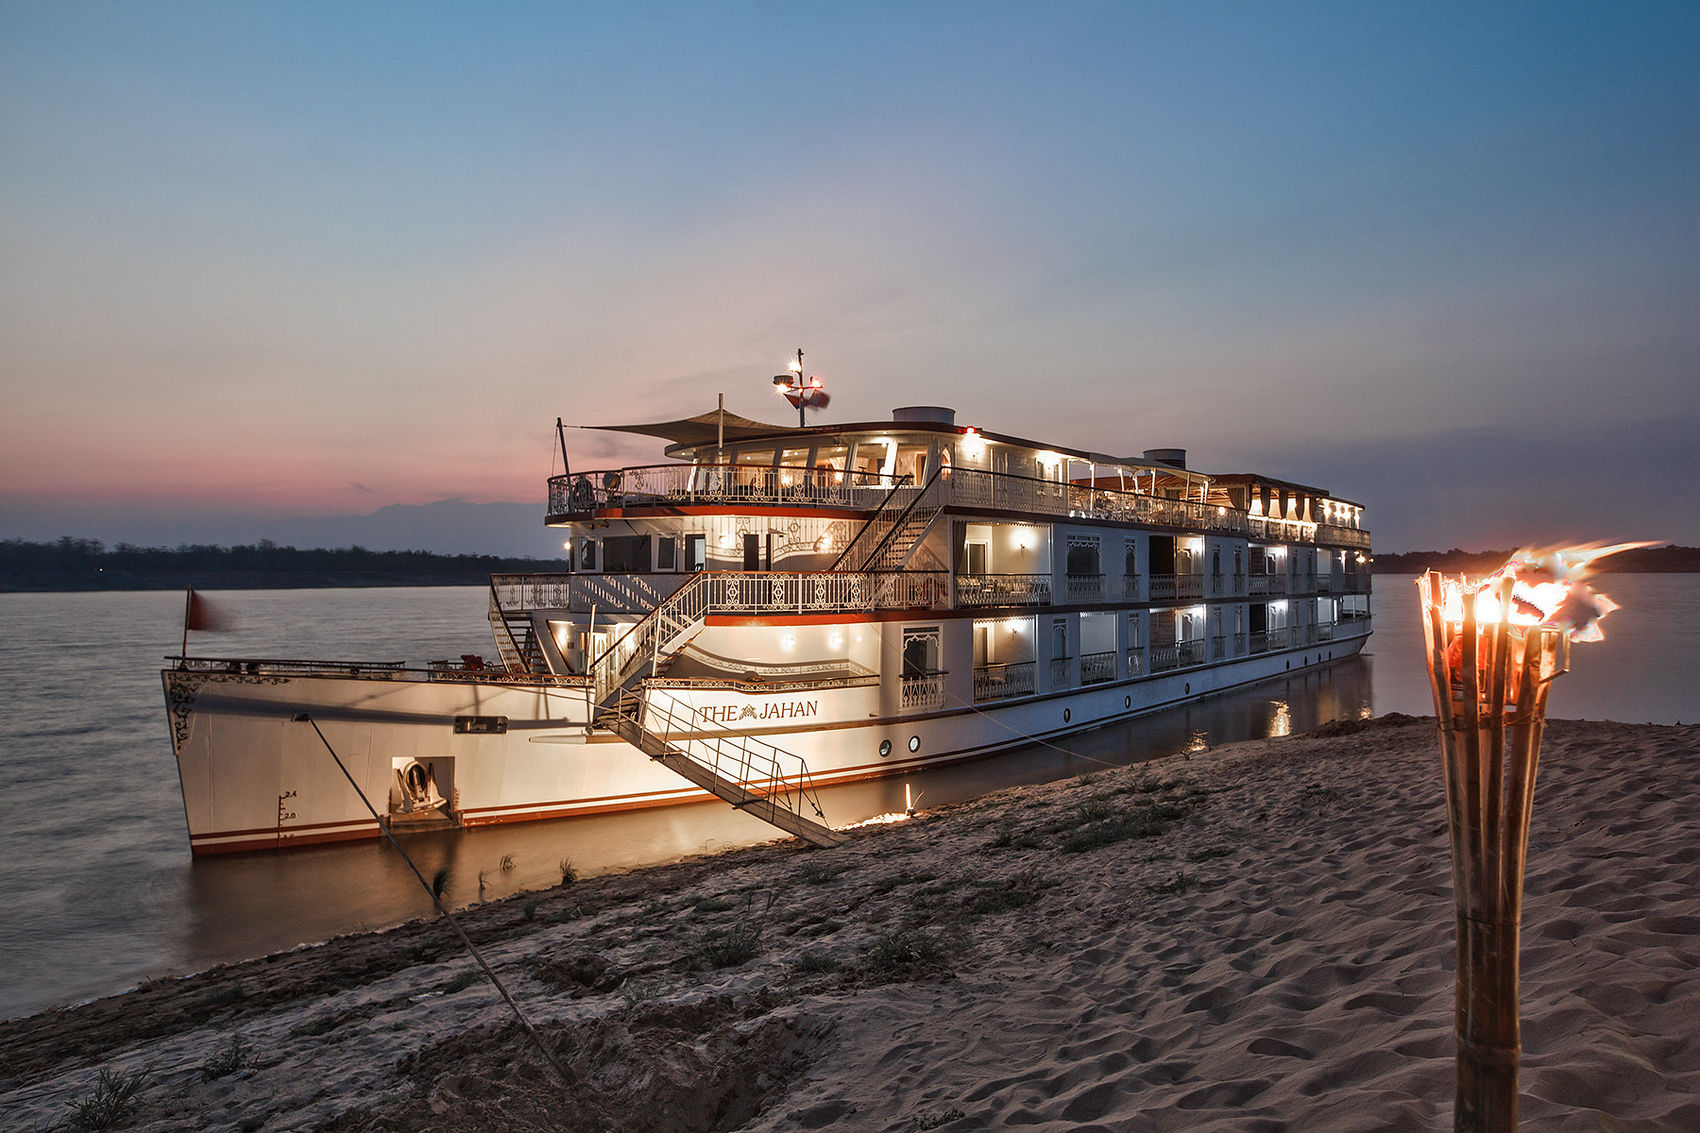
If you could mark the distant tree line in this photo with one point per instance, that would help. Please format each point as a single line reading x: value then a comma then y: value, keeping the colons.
x: 1668, y: 559
x: 86, y: 564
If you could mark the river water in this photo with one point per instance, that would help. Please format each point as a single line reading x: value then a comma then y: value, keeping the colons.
x: 101, y: 891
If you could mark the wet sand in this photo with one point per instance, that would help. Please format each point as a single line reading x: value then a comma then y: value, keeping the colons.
x: 1259, y: 937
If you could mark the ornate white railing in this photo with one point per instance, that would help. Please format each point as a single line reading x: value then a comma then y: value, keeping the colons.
x: 923, y: 692
x: 1003, y: 679
x: 1096, y: 668
x: 714, y: 485
x: 1003, y: 590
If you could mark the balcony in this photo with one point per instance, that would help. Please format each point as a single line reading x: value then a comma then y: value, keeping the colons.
x: 1084, y: 587
x: 1003, y: 590
x: 923, y: 692
x: 1268, y: 584
x: 1062, y: 672
x: 661, y: 485
x: 1002, y: 680
x: 1165, y: 586
x: 1096, y: 668
x: 1177, y: 656
x: 1264, y: 641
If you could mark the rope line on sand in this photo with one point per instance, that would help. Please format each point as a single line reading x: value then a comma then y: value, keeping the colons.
x: 442, y: 910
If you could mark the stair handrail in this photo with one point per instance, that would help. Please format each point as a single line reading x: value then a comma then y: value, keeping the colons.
x: 750, y: 757
x: 512, y: 660
x: 842, y: 562
x: 929, y: 490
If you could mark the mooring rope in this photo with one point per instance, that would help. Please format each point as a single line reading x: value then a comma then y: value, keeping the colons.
x: 442, y: 910
x: 1032, y: 738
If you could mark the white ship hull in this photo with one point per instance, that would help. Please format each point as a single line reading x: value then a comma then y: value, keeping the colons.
x: 257, y: 777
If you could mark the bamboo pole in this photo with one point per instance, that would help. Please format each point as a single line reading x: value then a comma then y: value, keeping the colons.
x: 1490, y: 733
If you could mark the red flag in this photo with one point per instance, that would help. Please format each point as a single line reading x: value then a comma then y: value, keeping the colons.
x: 206, y: 616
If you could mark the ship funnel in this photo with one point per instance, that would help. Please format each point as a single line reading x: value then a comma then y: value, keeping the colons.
x: 924, y: 414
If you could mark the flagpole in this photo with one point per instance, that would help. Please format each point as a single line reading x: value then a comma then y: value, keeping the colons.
x: 188, y: 608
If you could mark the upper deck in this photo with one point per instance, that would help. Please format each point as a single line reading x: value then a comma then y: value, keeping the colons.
x: 855, y: 468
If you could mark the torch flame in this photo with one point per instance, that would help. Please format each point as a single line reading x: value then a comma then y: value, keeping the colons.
x: 1548, y: 588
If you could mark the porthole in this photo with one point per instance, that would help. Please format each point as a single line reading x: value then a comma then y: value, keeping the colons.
x: 1127, y: 702
x: 1067, y: 715
x: 1189, y: 688
x: 885, y: 748
x: 914, y: 743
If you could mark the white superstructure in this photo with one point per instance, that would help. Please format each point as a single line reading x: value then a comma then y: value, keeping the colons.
x: 782, y: 607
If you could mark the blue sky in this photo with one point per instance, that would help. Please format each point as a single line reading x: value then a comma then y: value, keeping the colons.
x: 264, y: 262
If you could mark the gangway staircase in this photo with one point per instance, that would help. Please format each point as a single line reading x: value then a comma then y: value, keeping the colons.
x: 516, y: 638
x: 891, y: 534
x: 730, y: 765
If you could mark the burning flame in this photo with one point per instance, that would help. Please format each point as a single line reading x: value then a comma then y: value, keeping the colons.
x: 1548, y: 588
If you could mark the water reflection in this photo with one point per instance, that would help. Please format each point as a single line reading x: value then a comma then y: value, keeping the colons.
x: 248, y: 905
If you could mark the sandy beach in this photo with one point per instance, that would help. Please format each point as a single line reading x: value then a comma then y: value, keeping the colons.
x: 1258, y: 937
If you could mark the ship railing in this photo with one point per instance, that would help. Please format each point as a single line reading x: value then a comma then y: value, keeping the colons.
x: 1083, y: 587
x: 765, y: 592
x: 1001, y: 680
x: 1130, y: 587
x: 1178, y: 655
x: 579, y: 593
x: 775, y: 776
x: 1265, y: 641
x: 1003, y: 590
x: 1165, y: 586
x: 923, y: 692
x: 582, y: 495
x: 366, y: 670
x: 1095, y: 668
x: 714, y: 485
x: 1062, y: 672
x: 1268, y: 584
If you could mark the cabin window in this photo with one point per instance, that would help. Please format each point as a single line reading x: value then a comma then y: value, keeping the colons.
x: 1082, y: 556
x: 1130, y: 559
x: 752, y: 551
x: 625, y: 554
x: 587, y: 555
x: 666, y: 552
x: 920, y: 652
x: 696, y: 552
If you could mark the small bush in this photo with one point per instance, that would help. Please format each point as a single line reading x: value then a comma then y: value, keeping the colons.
x: 226, y: 1060
x: 819, y: 873
x: 903, y: 948
x: 726, y: 948
x: 814, y: 964
x: 113, y: 1101
x: 934, y: 1120
x: 569, y: 872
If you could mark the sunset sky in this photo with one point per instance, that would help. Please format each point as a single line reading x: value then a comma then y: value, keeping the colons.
x: 267, y: 262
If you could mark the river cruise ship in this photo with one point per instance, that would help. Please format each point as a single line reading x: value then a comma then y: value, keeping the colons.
x: 776, y: 608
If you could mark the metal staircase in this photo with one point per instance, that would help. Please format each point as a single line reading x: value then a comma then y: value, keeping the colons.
x: 891, y: 534
x: 730, y: 765
x: 516, y: 638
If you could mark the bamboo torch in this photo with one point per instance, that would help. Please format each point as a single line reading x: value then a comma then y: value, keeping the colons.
x: 1493, y: 650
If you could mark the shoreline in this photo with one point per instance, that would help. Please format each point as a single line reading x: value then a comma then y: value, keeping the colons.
x: 1262, y: 932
